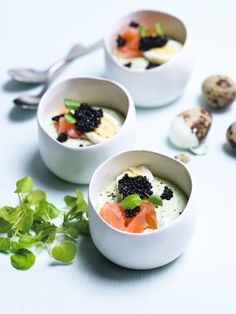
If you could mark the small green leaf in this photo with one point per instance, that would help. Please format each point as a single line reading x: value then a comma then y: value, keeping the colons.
x: 36, y: 196
x: 23, y: 259
x: 83, y: 227
x: 155, y: 199
x: 70, y: 200
x: 26, y: 220
x: 69, y: 118
x: 5, y: 226
x: 5, y: 244
x: 9, y: 213
x: 24, y: 185
x: 159, y: 29
x: 53, y: 211
x: 143, y: 31
x: 64, y: 251
x: 71, y: 103
x: 131, y: 201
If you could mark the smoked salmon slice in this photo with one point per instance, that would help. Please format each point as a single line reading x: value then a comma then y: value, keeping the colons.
x: 114, y: 214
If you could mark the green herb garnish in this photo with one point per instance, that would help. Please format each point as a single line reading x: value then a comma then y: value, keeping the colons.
x: 31, y: 224
x: 159, y: 29
x: 70, y: 118
x: 131, y: 201
x: 71, y: 103
x: 143, y: 31
x: 155, y: 199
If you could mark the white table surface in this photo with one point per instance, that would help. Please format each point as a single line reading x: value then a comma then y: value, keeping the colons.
x: 202, y: 280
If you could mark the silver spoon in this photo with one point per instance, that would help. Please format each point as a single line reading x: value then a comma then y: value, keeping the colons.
x: 32, y: 76
x: 31, y: 101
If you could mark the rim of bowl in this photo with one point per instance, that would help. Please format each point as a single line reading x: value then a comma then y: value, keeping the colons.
x: 156, y: 69
x: 94, y: 146
x: 163, y: 229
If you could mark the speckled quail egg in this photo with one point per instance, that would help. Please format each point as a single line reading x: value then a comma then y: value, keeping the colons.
x: 190, y: 127
x: 219, y: 91
x: 231, y: 135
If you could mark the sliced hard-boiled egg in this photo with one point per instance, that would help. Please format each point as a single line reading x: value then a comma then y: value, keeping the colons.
x: 139, y: 171
x: 139, y: 63
x: 111, y: 123
x: 164, y: 54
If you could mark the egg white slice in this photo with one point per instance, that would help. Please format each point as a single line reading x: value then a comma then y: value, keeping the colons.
x: 181, y: 134
x: 139, y: 171
x: 111, y: 123
x: 164, y: 54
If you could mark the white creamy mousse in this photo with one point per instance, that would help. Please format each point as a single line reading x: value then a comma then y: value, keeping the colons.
x: 166, y: 214
x: 111, y: 123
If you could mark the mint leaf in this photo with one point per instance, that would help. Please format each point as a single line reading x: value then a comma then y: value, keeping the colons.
x: 131, y: 201
x: 5, y: 244
x: 9, y: 213
x: 25, y: 221
x: 143, y: 31
x: 64, y: 251
x: 159, y: 29
x: 23, y: 259
x: 155, y: 199
x: 70, y: 200
x: 36, y: 196
x: 24, y: 185
x: 5, y: 226
x: 71, y: 103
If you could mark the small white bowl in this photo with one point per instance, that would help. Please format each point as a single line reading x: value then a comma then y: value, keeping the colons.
x: 161, y: 85
x: 77, y: 165
x: 145, y: 250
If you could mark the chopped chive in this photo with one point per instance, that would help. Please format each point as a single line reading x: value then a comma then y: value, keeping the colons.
x: 131, y: 201
x: 143, y: 31
x: 71, y: 103
x: 155, y: 199
x: 159, y: 29
x: 69, y: 118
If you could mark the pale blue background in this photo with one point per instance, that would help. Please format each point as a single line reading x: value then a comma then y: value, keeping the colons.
x: 203, y: 280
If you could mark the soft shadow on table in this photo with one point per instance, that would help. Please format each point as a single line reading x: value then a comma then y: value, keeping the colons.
x: 14, y: 86
x: 228, y: 150
x: 36, y: 168
x: 95, y: 263
x: 17, y: 114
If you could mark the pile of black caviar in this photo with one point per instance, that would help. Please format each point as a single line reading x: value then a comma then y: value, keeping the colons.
x: 87, y: 119
x: 135, y: 185
x: 130, y: 213
x: 145, y: 43
x: 167, y: 194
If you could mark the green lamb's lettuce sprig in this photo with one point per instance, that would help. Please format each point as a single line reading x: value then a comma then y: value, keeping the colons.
x: 31, y: 224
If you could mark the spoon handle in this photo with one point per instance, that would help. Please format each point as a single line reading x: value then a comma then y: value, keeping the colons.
x: 75, y: 52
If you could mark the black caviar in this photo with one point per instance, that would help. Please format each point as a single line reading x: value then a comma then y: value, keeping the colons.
x: 56, y: 118
x: 152, y: 65
x: 135, y: 185
x: 128, y: 65
x: 129, y: 213
x: 62, y: 137
x: 87, y: 118
x: 149, y: 42
x: 167, y: 194
x: 120, y: 41
x: 134, y: 24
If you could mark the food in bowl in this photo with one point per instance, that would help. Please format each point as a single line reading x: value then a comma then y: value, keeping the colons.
x: 141, y: 48
x: 80, y: 124
x: 139, y: 202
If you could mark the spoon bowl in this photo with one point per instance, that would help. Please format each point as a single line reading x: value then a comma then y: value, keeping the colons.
x: 27, y: 75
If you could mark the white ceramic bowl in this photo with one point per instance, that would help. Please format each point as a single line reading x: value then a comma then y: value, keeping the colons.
x: 77, y: 164
x: 147, y: 250
x: 157, y: 86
